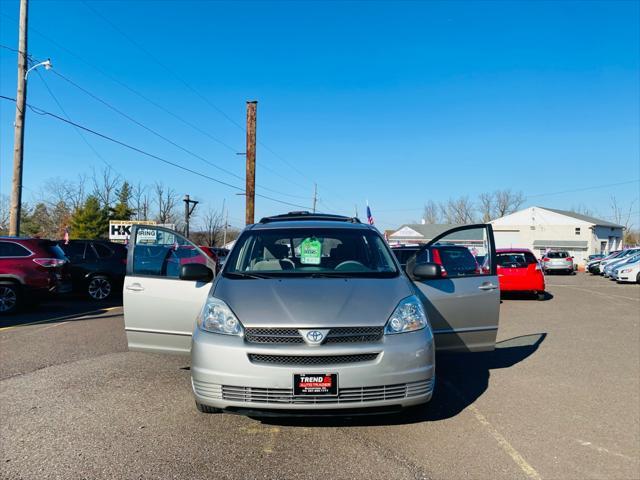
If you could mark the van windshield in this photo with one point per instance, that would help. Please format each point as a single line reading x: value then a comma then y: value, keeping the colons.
x: 337, y: 252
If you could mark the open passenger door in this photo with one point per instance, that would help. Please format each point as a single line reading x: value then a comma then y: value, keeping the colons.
x: 455, y: 276
x: 161, y: 300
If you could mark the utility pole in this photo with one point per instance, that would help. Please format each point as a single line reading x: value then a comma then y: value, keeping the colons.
x: 188, y: 210
x: 226, y: 225
x: 315, y: 196
x: 356, y: 205
x: 18, y: 141
x: 250, y: 190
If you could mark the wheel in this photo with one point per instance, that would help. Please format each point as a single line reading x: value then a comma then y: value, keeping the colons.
x: 9, y: 298
x: 541, y: 295
x: 638, y: 278
x: 207, y: 409
x: 99, y: 287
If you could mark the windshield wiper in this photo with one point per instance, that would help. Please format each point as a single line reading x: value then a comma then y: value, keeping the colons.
x: 245, y: 275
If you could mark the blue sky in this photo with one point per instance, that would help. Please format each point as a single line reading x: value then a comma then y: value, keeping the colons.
x: 398, y: 103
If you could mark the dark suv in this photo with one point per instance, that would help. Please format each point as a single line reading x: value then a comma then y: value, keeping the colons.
x: 97, y: 267
x: 30, y: 269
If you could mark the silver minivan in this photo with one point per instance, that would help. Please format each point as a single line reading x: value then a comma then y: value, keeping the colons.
x: 311, y: 313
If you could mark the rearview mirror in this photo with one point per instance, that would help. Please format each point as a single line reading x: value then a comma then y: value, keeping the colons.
x: 427, y: 271
x: 196, y: 271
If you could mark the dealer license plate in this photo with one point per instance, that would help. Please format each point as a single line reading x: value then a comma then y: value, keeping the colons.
x: 315, y: 384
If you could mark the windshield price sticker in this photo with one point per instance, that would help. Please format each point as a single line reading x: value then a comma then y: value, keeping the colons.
x: 310, y: 251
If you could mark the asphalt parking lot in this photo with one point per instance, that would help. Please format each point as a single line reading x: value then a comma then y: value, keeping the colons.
x: 559, y: 398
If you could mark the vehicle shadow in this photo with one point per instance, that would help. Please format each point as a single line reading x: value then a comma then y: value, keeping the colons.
x: 63, y: 309
x: 525, y: 296
x: 461, y: 379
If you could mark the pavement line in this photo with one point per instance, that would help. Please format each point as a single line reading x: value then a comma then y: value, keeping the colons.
x: 608, y: 295
x: 528, y: 470
x: 603, y: 450
x: 56, y: 319
x: 519, y: 460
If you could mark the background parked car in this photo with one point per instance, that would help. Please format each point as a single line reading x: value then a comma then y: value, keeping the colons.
x: 97, y: 267
x: 30, y: 269
x: 615, y: 257
x: 519, y: 271
x: 611, y: 266
x: 593, y: 266
x: 558, y: 261
x: 404, y: 252
x: 629, y: 272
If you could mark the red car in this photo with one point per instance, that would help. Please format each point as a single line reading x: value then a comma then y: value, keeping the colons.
x: 520, y: 271
x: 30, y: 269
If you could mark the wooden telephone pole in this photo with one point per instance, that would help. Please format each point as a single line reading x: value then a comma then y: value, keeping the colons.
x: 18, y: 141
x: 250, y: 190
x: 188, y: 210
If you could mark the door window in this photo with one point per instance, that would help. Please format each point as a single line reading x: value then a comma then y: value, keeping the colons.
x: 461, y: 253
x: 102, y: 251
x: 75, y: 250
x: 162, y: 253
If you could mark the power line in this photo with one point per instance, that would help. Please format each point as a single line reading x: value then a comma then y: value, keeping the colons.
x: 164, y: 109
x: 192, y: 89
x: 159, y: 135
x: 55, y: 99
x: 40, y: 111
x: 594, y: 187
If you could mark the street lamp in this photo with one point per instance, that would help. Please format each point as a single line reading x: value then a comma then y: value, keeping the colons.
x: 46, y: 64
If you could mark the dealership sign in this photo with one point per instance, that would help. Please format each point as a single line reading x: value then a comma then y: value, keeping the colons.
x: 120, y: 230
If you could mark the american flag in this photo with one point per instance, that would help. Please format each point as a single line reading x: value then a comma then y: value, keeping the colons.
x: 369, y: 216
x: 66, y: 235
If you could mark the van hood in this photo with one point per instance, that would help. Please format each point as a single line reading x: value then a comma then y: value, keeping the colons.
x: 312, y: 302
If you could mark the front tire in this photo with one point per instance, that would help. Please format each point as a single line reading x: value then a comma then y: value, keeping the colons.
x: 207, y: 409
x: 99, y: 288
x: 9, y: 298
x: 541, y: 296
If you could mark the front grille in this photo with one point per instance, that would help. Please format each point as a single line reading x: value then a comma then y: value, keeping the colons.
x: 272, y: 335
x: 335, y: 335
x: 285, y: 395
x: 311, y: 360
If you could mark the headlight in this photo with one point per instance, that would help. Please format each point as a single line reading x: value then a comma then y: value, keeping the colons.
x: 408, y: 316
x: 626, y: 270
x: 217, y: 317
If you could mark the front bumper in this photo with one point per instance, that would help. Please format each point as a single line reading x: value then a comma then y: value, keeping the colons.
x: 401, y: 375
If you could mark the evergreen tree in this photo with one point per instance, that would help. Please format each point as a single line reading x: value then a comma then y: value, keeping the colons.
x: 36, y: 222
x: 122, y: 211
x: 89, y: 221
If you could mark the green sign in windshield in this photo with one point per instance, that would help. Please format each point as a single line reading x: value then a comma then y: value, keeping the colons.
x: 310, y: 251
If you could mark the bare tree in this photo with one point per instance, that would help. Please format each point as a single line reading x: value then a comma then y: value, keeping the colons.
x: 431, y: 213
x: 486, y: 206
x: 507, y: 202
x: 458, y: 211
x: 623, y: 217
x: 582, y: 209
x: 140, y: 201
x: 105, y: 185
x: 166, y: 201
x: 212, y: 226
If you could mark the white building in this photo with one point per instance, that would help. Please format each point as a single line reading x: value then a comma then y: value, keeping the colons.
x: 540, y: 229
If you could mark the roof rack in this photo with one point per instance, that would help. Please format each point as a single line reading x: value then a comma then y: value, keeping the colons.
x: 304, y: 215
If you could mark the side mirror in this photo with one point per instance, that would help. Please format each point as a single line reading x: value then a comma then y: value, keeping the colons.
x: 426, y: 271
x: 196, y: 271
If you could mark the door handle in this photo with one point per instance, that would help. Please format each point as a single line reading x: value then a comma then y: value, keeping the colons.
x: 135, y: 287
x: 487, y: 286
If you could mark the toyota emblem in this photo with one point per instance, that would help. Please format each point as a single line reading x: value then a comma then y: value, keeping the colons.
x: 315, y: 336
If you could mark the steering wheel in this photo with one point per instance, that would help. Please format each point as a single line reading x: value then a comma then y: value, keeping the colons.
x: 350, y: 266
x: 288, y: 261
